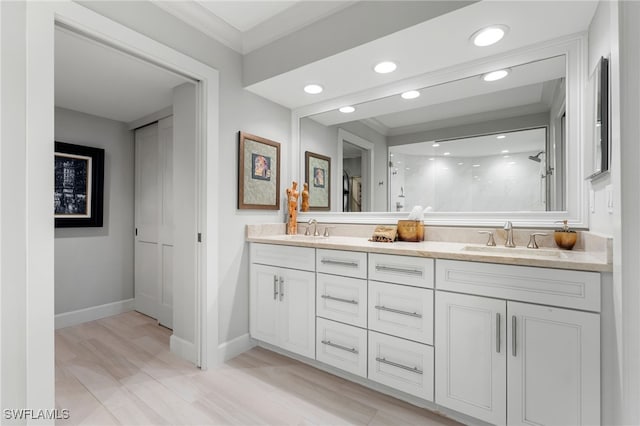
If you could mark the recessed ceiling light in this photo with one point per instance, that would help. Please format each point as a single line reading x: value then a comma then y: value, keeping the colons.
x: 390, y: 155
x: 313, y: 89
x: 500, y: 137
x: 445, y: 168
x: 347, y: 109
x: 431, y: 159
x: 411, y: 94
x: 489, y: 35
x: 447, y: 153
x: 495, y: 75
x: 435, y: 145
x: 505, y: 151
x: 511, y: 163
x: 476, y: 165
x: 385, y: 67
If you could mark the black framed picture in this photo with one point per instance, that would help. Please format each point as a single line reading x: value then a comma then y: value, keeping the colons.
x: 78, y: 186
x: 317, y: 176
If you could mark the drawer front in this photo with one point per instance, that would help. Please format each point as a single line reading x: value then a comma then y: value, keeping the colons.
x: 401, y: 311
x: 342, y: 346
x: 284, y: 256
x: 342, y: 299
x: 556, y: 287
x: 415, y: 271
x: 401, y: 364
x: 338, y: 262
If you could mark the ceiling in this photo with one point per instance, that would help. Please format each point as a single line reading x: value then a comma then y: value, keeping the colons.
x: 245, y: 15
x: 99, y: 80
x: 430, y: 46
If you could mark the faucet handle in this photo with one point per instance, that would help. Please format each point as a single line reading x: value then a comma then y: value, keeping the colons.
x: 307, y: 232
x: 508, y: 225
x: 326, y: 231
x: 491, y: 241
x: 532, y: 239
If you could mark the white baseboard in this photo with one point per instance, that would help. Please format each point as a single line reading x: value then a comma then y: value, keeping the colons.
x: 235, y: 347
x: 182, y: 348
x: 67, y: 319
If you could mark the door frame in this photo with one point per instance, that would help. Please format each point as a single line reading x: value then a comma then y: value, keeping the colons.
x: 41, y: 19
x: 367, y: 167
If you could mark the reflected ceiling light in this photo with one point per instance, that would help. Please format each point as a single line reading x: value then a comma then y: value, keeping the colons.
x: 411, y: 94
x: 347, y: 109
x: 476, y: 165
x: 447, y: 153
x: 489, y: 35
x: 390, y: 155
x: 505, y: 151
x: 495, y: 75
x: 507, y: 156
x: 500, y: 137
x: 460, y: 164
x: 431, y: 159
x: 511, y: 163
x: 445, y: 168
x: 313, y: 89
x: 385, y: 67
x: 435, y: 145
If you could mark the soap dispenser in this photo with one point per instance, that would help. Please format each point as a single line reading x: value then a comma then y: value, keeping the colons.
x: 565, y: 237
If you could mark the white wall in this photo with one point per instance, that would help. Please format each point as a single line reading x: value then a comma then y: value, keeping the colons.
x: 94, y: 266
x: 239, y: 110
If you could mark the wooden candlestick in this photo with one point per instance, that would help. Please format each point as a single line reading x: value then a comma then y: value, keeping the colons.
x: 292, y: 203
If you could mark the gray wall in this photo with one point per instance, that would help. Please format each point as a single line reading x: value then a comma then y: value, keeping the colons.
x: 94, y: 266
x: 239, y: 110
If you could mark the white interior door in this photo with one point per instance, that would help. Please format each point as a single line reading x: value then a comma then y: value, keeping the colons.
x: 154, y: 221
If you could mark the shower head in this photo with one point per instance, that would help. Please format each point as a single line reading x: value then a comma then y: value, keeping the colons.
x: 536, y: 157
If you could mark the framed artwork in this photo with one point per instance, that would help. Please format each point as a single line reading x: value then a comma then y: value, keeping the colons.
x: 318, y: 177
x: 258, y: 173
x: 78, y: 186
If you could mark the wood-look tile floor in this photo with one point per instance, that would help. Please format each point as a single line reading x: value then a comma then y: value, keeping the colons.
x: 119, y: 370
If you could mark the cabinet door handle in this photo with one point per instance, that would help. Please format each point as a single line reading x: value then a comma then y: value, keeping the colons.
x: 281, y: 288
x: 275, y: 287
x: 337, y: 346
x: 339, y: 299
x: 400, y: 270
x: 395, y: 364
x: 339, y: 262
x: 498, y: 332
x: 398, y: 311
x: 513, y: 335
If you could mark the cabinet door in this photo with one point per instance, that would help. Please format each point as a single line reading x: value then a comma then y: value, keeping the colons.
x: 553, y: 366
x: 264, y: 295
x: 470, y: 349
x: 296, y: 311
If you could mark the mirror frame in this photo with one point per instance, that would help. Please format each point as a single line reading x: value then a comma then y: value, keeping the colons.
x: 573, y: 47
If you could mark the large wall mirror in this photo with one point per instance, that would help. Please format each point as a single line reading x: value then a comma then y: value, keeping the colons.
x: 471, y: 147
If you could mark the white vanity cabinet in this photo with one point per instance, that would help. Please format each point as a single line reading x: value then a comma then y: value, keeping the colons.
x: 282, y: 299
x: 511, y: 362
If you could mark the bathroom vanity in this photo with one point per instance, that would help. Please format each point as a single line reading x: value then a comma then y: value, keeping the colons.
x: 500, y: 337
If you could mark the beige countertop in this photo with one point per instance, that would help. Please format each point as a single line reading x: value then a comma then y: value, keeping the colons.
x: 544, y: 257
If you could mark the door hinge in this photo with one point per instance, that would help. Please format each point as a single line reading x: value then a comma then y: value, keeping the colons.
x: 136, y: 232
x: 199, y: 237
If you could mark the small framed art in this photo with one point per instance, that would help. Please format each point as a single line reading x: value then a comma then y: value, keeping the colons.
x: 78, y: 186
x: 258, y: 173
x: 318, y: 177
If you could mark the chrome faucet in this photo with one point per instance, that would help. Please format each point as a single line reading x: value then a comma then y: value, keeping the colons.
x: 315, y: 228
x: 509, y: 228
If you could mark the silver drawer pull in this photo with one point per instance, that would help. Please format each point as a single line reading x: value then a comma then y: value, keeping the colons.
x: 395, y: 364
x: 400, y: 270
x: 340, y: 263
x: 337, y: 346
x: 275, y: 287
x: 339, y: 299
x: 397, y: 311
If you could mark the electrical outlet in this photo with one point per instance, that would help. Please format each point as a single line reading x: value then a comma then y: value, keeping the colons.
x: 609, y: 190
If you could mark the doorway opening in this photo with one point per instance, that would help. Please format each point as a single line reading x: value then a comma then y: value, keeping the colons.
x: 355, y: 166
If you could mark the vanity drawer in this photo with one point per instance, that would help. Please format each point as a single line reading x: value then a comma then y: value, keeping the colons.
x: 415, y: 271
x: 342, y: 299
x: 401, y: 364
x: 401, y: 311
x: 284, y: 256
x: 556, y: 287
x: 339, y: 262
x: 342, y: 346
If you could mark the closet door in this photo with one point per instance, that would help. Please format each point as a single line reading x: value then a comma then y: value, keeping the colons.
x: 154, y: 221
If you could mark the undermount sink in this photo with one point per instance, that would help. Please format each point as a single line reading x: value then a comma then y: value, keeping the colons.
x: 516, y: 251
x: 301, y: 237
